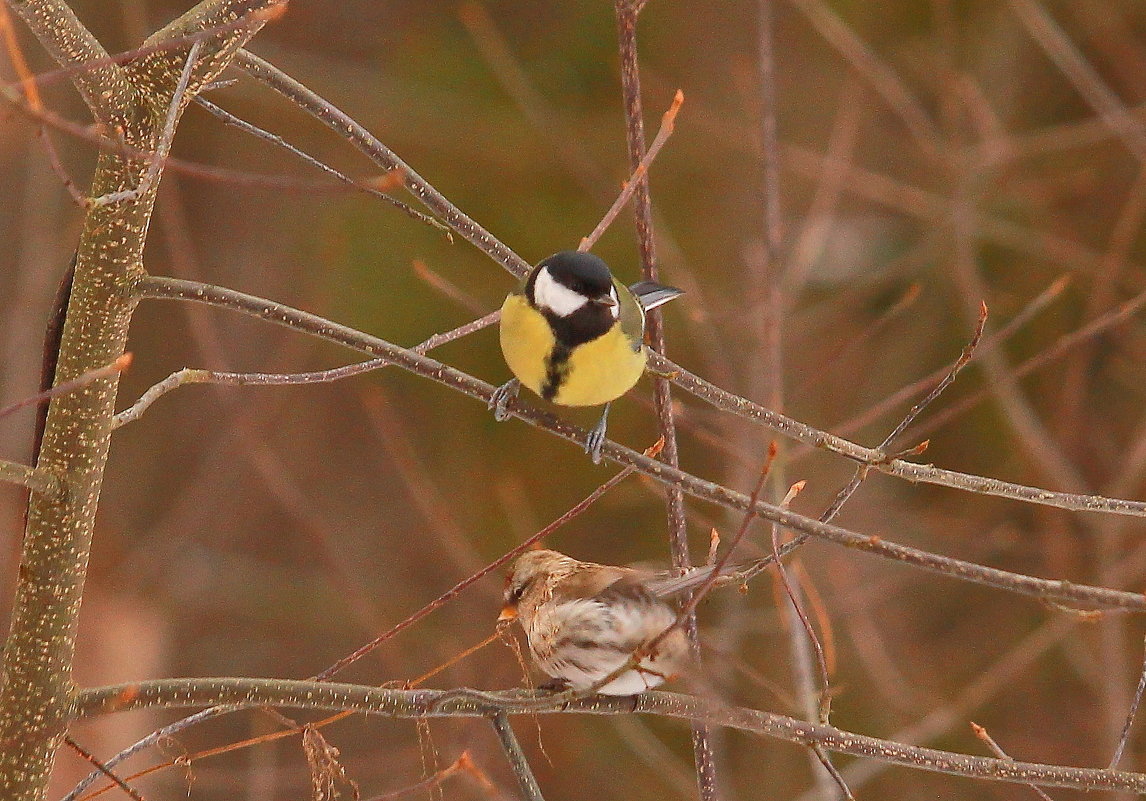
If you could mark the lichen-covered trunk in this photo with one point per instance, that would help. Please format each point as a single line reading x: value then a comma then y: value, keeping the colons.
x: 37, y: 688
x: 136, y: 102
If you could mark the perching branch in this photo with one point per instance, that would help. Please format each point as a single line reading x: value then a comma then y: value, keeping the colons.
x: 626, y: 13
x: 420, y: 704
x: 173, y: 289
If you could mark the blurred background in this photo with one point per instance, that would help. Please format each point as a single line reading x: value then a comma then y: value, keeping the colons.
x: 933, y: 154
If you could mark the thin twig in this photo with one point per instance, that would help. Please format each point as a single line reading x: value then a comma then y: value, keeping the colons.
x: 257, y: 17
x: 862, y: 471
x: 963, y: 360
x: 369, y: 145
x: 1041, y: 301
x: 32, y: 93
x: 79, y: 382
x: 449, y: 594
x: 928, y: 474
x: 30, y: 477
x: 102, y: 768
x: 230, y: 119
x: 717, y: 567
x: 668, y: 120
x: 463, y: 764
x: 1124, y: 738
x: 529, y: 786
x: 190, y: 375
x: 983, y: 735
x: 1121, y: 314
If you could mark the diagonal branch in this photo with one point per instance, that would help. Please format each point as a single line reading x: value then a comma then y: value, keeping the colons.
x: 927, y: 474
x: 368, y: 144
x: 171, y: 289
x: 517, y: 760
x: 105, y: 88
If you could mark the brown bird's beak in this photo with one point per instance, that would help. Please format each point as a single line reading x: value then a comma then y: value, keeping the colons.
x: 508, y: 612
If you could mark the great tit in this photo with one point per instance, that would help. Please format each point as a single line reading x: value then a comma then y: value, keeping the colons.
x: 574, y: 335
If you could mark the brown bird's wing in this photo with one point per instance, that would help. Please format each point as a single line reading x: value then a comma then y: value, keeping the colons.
x: 666, y: 585
x: 589, y: 582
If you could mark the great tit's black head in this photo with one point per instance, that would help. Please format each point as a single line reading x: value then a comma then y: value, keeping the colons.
x: 569, y: 283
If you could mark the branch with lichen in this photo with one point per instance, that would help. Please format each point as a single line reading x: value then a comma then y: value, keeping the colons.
x: 390, y: 703
x: 405, y: 358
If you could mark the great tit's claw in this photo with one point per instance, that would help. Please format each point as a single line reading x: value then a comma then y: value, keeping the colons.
x: 501, y: 397
x: 596, y: 437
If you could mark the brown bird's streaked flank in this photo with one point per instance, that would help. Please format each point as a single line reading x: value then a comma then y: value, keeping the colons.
x: 583, y: 621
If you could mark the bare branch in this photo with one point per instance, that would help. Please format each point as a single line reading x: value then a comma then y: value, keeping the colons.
x: 157, y: 159
x: 230, y: 119
x: 529, y: 787
x: 1124, y: 738
x: 103, y: 769
x: 668, y: 121
x: 107, y: 371
x: 104, y: 88
x: 626, y: 13
x: 983, y: 735
x: 35, y: 480
x: 782, y: 424
x: 171, y: 289
x: 426, y: 704
x: 368, y: 144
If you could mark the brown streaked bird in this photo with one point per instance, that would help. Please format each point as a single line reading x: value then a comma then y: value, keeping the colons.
x: 584, y: 620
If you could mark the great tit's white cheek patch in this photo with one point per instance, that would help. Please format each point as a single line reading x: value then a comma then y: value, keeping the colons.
x: 615, y: 309
x: 549, y: 294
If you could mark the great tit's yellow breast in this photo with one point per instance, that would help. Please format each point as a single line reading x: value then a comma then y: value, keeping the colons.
x: 526, y: 341
x: 590, y: 374
x: 601, y: 370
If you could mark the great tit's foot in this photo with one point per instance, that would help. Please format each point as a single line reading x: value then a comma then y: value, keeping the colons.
x: 669, y: 376
x: 501, y: 396
x: 596, y: 437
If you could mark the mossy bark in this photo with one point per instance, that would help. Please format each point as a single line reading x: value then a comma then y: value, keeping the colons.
x: 133, y: 102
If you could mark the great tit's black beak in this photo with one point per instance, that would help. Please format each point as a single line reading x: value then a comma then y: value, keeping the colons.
x: 608, y: 301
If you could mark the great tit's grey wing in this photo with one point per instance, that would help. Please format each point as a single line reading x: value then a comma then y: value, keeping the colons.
x: 631, y: 316
x: 651, y: 294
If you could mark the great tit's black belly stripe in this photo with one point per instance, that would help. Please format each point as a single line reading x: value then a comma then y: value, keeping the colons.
x: 556, y: 370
